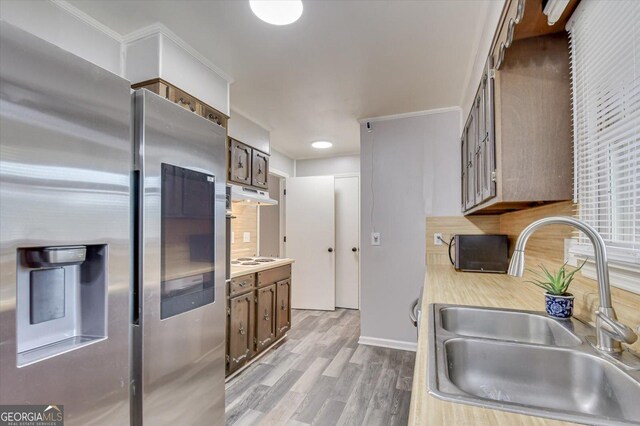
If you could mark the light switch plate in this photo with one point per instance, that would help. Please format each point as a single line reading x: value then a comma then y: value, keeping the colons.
x: 246, y: 237
x: 375, y: 238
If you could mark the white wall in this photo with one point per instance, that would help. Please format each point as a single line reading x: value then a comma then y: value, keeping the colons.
x: 155, y: 51
x: 282, y: 163
x: 249, y: 132
x: 409, y: 169
x: 328, y: 166
x: 70, y: 31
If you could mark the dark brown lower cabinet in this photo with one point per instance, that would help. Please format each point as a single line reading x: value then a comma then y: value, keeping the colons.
x: 258, y: 314
x: 241, y: 323
x: 283, y: 307
x: 265, y: 317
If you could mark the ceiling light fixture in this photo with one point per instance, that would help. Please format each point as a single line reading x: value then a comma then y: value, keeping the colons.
x: 277, y: 12
x: 322, y: 144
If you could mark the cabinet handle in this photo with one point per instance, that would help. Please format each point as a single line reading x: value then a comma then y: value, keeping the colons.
x: 520, y: 11
x: 500, y: 56
x: 413, y: 316
x: 241, y: 331
x: 510, y: 31
x: 243, y: 283
x: 188, y: 103
x: 266, y: 315
x: 213, y: 118
x: 283, y: 307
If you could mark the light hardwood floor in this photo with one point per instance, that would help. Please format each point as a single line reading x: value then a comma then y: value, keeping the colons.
x: 320, y: 375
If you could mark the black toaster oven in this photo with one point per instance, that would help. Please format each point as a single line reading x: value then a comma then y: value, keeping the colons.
x: 481, y: 253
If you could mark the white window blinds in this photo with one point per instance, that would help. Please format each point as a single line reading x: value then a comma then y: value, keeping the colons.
x: 605, y: 66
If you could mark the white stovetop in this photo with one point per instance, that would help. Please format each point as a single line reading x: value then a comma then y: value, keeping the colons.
x: 239, y: 269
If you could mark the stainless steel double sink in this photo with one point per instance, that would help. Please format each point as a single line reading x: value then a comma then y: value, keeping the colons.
x: 527, y: 363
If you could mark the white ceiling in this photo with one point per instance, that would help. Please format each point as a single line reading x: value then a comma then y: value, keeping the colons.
x: 340, y: 62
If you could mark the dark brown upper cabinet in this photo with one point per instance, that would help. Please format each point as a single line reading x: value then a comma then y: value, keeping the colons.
x: 516, y: 146
x: 240, y: 159
x: 247, y: 166
x: 260, y: 169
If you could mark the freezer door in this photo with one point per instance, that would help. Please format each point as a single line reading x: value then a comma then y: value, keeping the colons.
x: 180, y: 333
x: 65, y: 163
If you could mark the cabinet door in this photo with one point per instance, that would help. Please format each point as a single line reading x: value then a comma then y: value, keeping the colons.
x: 239, y: 162
x: 471, y: 148
x: 283, y: 307
x: 481, y: 139
x: 463, y: 167
x: 489, y: 145
x: 240, y: 330
x: 265, y: 317
x: 260, y: 170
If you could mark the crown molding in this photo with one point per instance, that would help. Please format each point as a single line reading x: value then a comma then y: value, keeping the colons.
x: 410, y: 114
x: 77, y: 13
x: 159, y: 28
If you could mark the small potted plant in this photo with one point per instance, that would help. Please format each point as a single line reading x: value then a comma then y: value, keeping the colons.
x: 559, y: 302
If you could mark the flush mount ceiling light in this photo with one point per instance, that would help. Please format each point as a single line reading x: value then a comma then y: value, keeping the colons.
x: 322, y: 144
x: 277, y: 12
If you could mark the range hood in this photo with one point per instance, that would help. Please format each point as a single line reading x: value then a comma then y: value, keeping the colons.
x: 250, y: 196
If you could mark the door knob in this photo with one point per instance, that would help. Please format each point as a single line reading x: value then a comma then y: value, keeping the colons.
x: 353, y: 249
x: 330, y: 250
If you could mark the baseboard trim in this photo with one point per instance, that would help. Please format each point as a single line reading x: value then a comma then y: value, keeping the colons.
x: 387, y: 343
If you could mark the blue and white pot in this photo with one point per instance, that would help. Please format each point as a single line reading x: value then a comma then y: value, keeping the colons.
x: 559, y: 306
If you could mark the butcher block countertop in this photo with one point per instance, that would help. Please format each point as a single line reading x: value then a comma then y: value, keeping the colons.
x: 444, y: 285
x: 238, y: 271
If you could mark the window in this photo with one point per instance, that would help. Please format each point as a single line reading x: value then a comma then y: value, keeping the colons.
x: 605, y: 67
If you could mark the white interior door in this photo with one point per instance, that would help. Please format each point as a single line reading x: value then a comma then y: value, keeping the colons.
x: 310, y: 231
x: 348, y: 242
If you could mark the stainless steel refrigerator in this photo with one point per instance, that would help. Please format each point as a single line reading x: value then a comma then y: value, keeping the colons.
x: 179, y: 280
x: 65, y: 173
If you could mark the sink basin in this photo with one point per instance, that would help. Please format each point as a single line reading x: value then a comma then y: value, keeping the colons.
x: 518, y: 326
x: 553, y: 378
x: 527, y: 363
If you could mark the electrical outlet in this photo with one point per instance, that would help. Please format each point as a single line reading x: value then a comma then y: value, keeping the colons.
x: 246, y: 237
x: 375, y: 238
x: 437, y: 239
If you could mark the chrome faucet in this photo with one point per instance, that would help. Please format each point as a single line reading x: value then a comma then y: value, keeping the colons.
x: 609, y: 332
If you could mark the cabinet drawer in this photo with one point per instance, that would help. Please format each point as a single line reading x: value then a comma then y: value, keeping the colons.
x: 184, y: 100
x: 241, y: 284
x: 271, y: 276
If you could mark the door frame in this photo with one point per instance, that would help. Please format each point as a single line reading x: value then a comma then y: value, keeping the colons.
x: 347, y: 175
x: 282, y: 175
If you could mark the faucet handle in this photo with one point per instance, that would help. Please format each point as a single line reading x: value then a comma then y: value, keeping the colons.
x: 618, y: 331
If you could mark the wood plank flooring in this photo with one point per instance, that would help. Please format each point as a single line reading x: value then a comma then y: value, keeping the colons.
x: 320, y: 376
